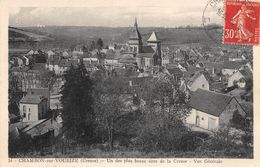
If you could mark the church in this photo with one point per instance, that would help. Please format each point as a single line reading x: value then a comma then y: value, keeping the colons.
x: 145, y: 55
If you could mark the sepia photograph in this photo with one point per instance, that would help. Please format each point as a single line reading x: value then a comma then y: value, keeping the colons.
x: 132, y: 80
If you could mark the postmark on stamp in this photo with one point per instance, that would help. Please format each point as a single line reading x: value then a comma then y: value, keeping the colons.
x: 241, y: 24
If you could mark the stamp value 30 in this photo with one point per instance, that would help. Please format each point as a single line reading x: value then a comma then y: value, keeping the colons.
x: 241, y: 22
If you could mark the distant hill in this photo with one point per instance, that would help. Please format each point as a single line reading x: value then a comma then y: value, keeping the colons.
x: 66, y: 36
x: 21, y: 35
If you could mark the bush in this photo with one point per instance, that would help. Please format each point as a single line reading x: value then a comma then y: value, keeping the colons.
x: 160, y: 132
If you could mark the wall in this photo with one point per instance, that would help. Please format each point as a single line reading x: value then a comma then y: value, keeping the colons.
x: 148, y: 62
x: 30, y: 108
x: 228, y: 71
x: 199, y: 82
x: 204, y: 119
x: 235, y: 77
x: 227, y: 114
x: 111, y: 61
x: 42, y: 108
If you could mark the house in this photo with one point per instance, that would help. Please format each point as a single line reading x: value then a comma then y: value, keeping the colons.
x: 29, y: 78
x: 213, y: 67
x: 198, y: 80
x: 212, y: 110
x: 175, y: 72
x: 19, y: 61
x: 33, y: 107
x: 64, y: 65
x: 240, y: 78
x: 91, y: 59
x: 40, y: 91
x: 53, y: 64
x: 30, y: 52
x: 111, y: 58
x: 229, y: 67
x: 41, y: 133
x: 65, y: 54
x: 165, y: 59
x: 50, y: 53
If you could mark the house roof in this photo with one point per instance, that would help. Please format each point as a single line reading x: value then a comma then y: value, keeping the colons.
x: 197, y: 74
x: 67, y: 63
x: 246, y: 74
x: 216, y: 65
x: 153, y: 37
x: 147, y: 55
x: 42, y: 127
x: 209, y: 102
x: 39, y: 66
x: 248, y: 108
x: 233, y: 64
x: 32, y: 99
x: 147, y: 49
x: 20, y: 69
x: 175, y: 71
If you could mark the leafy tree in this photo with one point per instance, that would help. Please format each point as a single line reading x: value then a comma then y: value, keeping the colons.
x: 100, y: 43
x: 77, y: 101
x: 13, y: 88
x: 92, y: 45
x: 162, y: 127
x: 109, y: 106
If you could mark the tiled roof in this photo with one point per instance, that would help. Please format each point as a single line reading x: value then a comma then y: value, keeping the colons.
x: 42, y: 127
x: 147, y: 49
x: 175, y: 71
x: 248, y: 108
x: 233, y: 64
x: 39, y: 66
x: 20, y: 69
x: 209, y: 102
x: 32, y: 99
x: 247, y: 74
x: 148, y: 55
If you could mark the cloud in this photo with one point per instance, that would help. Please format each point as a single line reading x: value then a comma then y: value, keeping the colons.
x: 14, y: 10
x: 159, y: 14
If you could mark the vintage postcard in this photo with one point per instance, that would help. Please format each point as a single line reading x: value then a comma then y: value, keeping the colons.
x: 152, y: 82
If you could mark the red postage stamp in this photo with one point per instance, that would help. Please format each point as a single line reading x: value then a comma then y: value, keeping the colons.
x: 241, y: 22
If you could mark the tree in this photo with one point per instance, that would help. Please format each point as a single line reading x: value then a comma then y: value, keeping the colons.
x: 109, y: 106
x: 13, y: 88
x: 100, y: 43
x: 77, y: 101
x: 161, y: 127
x: 92, y: 45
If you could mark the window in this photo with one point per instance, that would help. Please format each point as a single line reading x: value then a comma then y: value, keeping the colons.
x: 24, y: 115
x: 29, y: 116
x: 203, y: 85
x: 29, y: 109
x: 24, y: 108
x: 202, y: 118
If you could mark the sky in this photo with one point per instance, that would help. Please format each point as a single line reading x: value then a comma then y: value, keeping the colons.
x: 152, y: 13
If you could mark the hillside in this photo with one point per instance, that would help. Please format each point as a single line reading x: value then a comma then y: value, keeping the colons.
x: 65, y: 36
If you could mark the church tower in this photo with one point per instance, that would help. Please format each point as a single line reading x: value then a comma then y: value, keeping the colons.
x: 155, y: 43
x: 135, y: 40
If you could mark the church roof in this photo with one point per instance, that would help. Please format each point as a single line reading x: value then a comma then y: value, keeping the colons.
x: 153, y: 38
x: 135, y: 34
